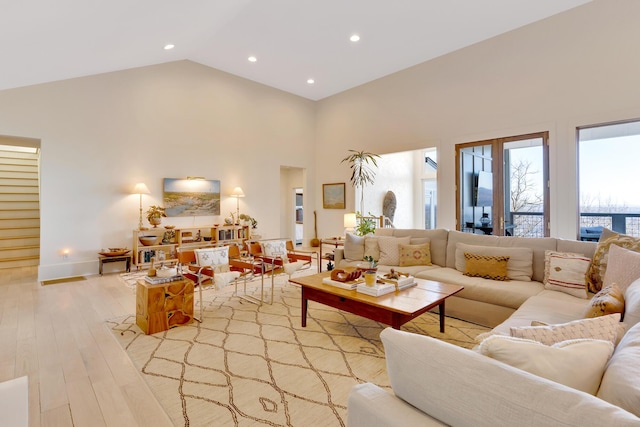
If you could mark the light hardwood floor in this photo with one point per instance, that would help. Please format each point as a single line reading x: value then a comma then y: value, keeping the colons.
x: 78, y: 374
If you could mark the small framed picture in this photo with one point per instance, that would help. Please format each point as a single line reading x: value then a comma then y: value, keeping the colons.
x: 333, y: 196
x: 161, y: 256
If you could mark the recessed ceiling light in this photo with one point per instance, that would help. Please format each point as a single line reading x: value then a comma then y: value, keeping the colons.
x: 169, y: 47
x: 311, y: 81
x: 354, y: 38
x: 252, y: 59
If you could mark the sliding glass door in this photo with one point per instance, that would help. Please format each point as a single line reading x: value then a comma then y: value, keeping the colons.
x: 502, y: 186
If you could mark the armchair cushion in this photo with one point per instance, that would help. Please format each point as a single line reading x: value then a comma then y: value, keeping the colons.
x: 212, y: 257
x: 275, y: 249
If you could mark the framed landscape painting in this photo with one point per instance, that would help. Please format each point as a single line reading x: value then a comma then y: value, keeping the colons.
x: 333, y: 196
x: 191, y: 197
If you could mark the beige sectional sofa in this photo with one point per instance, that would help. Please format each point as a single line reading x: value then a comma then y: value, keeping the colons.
x: 436, y: 383
x: 486, y: 302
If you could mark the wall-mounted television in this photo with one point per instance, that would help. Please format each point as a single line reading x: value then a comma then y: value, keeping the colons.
x: 484, y: 189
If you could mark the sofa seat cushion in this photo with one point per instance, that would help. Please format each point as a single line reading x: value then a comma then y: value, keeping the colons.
x: 510, y: 294
x: 550, y: 307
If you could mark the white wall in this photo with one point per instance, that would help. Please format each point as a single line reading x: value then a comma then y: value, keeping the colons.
x: 102, y: 134
x: 572, y: 69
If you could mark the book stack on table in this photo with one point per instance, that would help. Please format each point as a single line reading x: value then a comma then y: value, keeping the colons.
x: 351, y: 285
x: 379, y: 288
x: 401, y: 283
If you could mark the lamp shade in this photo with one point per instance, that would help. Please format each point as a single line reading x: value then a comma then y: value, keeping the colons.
x: 141, y: 188
x: 349, y: 220
x: 237, y: 192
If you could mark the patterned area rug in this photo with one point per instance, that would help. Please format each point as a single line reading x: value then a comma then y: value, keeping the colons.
x: 249, y: 364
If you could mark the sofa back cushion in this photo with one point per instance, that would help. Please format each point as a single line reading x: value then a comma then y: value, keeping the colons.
x: 632, y: 304
x: 537, y: 244
x: 437, y: 239
x: 460, y: 387
x: 354, y: 247
x: 519, y: 264
x: 620, y: 385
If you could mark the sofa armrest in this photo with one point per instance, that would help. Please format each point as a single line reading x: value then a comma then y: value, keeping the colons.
x: 461, y: 388
x: 371, y: 406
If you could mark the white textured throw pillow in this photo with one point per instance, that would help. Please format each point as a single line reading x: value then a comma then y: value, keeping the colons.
x: 566, y: 272
x: 623, y: 267
x: 390, y: 249
x: 371, y: 247
x: 275, y: 248
x: 519, y: 266
x: 601, y: 328
x: 632, y: 304
x: 575, y: 363
x: 212, y: 257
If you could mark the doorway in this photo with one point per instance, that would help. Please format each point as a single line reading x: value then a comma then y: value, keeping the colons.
x: 20, y: 201
x: 292, y: 204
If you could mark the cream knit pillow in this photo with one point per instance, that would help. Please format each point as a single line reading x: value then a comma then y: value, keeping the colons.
x: 390, y: 249
x: 602, y: 328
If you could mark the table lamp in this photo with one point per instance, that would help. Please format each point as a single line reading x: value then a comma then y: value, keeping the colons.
x: 350, y: 222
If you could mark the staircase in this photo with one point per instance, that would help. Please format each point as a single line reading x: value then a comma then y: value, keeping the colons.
x: 19, y: 209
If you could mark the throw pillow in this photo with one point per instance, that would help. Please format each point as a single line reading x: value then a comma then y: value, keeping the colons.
x: 565, y: 272
x: 488, y: 267
x: 519, y: 267
x: 415, y: 255
x: 601, y: 328
x: 275, y: 248
x: 371, y: 247
x: 212, y: 257
x: 608, y: 301
x: 390, y: 249
x: 623, y: 267
x: 354, y: 247
x: 578, y: 364
x: 620, y: 384
x: 598, y: 267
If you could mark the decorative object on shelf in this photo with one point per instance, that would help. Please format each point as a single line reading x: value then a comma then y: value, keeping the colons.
x: 237, y: 193
x: 229, y: 220
x: 140, y: 188
x: 363, y: 170
x: 485, y: 220
x: 194, y: 196
x: 251, y: 220
x: 169, y: 236
x: 154, y: 215
x: 114, y: 252
x: 329, y: 266
x: 148, y: 240
x: 333, y: 196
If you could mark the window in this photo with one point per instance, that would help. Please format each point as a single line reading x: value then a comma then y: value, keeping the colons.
x: 608, y: 195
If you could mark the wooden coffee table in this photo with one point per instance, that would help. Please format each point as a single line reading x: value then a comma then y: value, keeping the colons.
x: 395, y: 308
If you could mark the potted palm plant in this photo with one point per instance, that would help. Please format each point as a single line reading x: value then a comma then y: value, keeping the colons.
x: 363, y: 170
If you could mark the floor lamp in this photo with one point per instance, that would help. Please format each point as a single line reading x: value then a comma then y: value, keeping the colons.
x: 141, y: 189
x: 237, y: 193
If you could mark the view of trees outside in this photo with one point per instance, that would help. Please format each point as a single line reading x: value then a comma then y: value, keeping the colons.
x: 607, y: 166
x: 525, y: 191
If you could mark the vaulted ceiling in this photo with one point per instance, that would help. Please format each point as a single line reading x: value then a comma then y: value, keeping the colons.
x: 292, y: 40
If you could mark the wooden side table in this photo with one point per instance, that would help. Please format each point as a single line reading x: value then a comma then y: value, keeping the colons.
x: 163, y: 306
x: 332, y: 241
x: 106, y: 259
